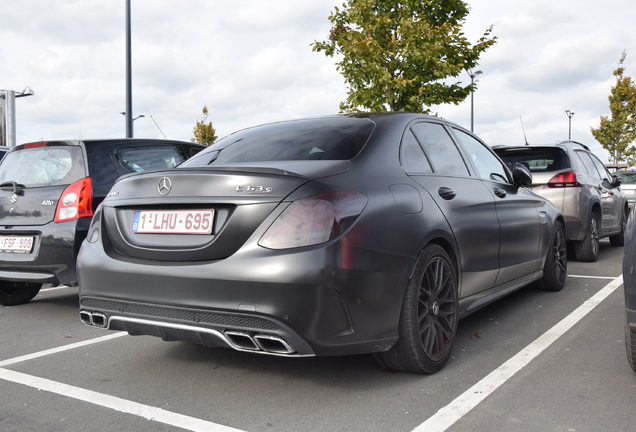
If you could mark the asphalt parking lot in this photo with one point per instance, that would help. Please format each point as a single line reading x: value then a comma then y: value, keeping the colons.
x: 535, y: 361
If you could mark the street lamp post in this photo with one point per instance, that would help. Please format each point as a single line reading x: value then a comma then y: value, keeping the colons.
x: 128, y: 112
x: 472, y: 97
x: 7, y: 114
x: 569, y: 114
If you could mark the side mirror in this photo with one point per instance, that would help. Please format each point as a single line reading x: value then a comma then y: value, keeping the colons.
x: 521, y: 175
x: 616, y: 182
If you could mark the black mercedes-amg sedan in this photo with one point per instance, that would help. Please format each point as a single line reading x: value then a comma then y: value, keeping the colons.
x: 345, y: 234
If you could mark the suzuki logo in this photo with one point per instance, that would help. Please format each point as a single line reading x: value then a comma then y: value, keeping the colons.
x: 165, y: 186
x: 14, y: 198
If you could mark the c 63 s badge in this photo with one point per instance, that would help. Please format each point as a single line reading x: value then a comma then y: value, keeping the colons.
x: 255, y: 189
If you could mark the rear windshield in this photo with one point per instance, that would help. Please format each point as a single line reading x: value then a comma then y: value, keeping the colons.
x: 151, y: 158
x: 628, y: 177
x: 316, y: 139
x: 43, y: 166
x: 537, y: 159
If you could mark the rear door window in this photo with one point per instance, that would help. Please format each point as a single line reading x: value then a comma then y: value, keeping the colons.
x: 588, y: 164
x: 440, y: 149
x: 46, y: 165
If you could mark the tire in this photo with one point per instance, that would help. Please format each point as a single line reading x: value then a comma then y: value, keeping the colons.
x: 619, y: 239
x: 556, y: 263
x: 587, y: 249
x: 17, y: 293
x: 428, y: 322
x: 630, y: 345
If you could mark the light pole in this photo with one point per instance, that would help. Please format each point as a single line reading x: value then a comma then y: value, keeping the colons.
x: 472, y: 97
x: 128, y: 112
x: 569, y: 114
x: 7, y: 114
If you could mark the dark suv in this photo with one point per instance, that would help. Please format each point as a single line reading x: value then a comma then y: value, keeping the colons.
x: 48, y: 193
x: 580, y: 186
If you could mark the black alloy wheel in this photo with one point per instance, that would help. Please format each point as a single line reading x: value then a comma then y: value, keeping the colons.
x: 428, y: 324
x: 556, y: 263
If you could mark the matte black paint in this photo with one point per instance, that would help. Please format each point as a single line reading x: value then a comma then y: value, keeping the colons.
x: 340, y: 297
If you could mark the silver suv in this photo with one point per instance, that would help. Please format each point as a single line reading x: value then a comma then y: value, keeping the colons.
x: 579, y: 185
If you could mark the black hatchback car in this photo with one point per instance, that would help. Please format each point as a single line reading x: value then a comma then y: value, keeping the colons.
x: 367, y: 233
x: 48, y: 193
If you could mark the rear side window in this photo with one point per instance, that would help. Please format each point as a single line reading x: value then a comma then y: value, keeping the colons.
x: 537, y: 159
x: 313, y: 139
x: 413, y: 159
x: 139, y: 159
x: 43, y: 166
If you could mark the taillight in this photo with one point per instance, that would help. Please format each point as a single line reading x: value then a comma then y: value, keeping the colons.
x: 76, y: 201
x: 314, y: 220
x: 564, y: 179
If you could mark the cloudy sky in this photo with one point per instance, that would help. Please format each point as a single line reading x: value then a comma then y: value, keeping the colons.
x: 250, y: 62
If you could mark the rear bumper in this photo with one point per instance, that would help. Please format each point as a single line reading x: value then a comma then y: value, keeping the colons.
x: 314, y: 301
x: 54, y: 255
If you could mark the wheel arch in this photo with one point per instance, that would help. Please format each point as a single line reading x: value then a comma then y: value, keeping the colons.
x: 449, y: 247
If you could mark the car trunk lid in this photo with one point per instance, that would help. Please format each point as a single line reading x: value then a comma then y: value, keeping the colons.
x: 200, y: 214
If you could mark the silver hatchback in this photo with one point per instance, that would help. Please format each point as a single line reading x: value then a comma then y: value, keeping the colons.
x: 580, y: 186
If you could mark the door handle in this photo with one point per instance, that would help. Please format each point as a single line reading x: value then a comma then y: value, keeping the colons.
x: 500, y: 192
x: 446, y: 193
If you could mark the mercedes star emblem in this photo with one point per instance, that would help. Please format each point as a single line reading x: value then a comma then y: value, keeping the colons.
x: 165, y: 186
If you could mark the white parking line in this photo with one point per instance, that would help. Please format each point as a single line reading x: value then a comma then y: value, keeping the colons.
x: 451, y: 413
x: 55, y: 288
x: 592, y: 277
x: 115, y: 403
x: 63, y: 348
x: 118, y: 404
x: 439, y: 422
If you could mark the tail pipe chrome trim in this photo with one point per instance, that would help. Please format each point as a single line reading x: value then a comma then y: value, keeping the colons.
x: 95, y: 319
x: 259, y: 342
x: 273, y: 344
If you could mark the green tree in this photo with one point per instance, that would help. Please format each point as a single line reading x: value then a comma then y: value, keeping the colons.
x: 204, y: 133
x: 398, y: 55
x: 618, y: 130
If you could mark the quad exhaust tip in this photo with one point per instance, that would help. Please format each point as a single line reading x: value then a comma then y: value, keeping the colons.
x: 259, y: 342
x: 94, y: 319
x: 242, y: 341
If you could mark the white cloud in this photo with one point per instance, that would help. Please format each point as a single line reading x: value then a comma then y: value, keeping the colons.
x: 250, y: 62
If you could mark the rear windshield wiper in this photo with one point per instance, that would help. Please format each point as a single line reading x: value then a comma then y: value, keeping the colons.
x: 11, y: 185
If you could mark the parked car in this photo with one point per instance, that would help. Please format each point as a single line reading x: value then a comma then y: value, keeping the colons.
x: 347, y: 234
x: 628, y: 185
x: 578, y: 184
x: 48, y: 194
x: 629, y: 285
